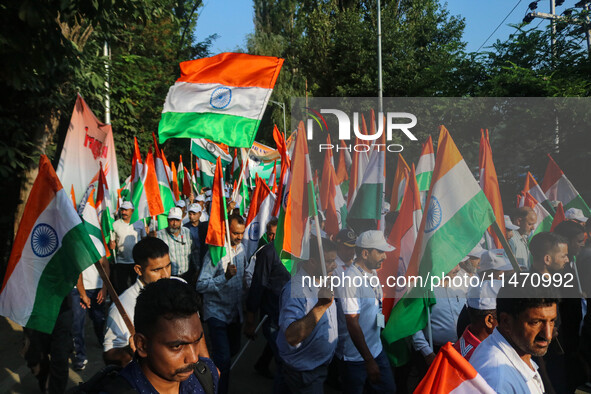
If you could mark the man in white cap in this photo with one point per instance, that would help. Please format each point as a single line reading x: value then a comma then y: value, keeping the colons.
x: 183, y: 206
x: 482, y: 309
x: 510, y: 227
x: 469, y: 265
x: 493, y: 264
x: 576, y: 215
x: 178, y: 239
x: 200, y: 199
x: 126, y: 235
x: 364, y: 360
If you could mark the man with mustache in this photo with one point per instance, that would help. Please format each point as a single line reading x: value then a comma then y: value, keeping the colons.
x: 526, y: 318
x: 360, y: 299
x: 168, y: 339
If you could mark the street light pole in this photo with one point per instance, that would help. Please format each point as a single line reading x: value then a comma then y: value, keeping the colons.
x: 282, y: 105
x: 380, y: 92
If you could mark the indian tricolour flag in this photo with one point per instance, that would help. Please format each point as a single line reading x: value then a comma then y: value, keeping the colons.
x: 210, y: 151
x: 457, y: 215
x: 52, y: 247
x: 217, y: 239
x: 558, y: 188
x: 425, y: 167
x: 451, y: 373
x: 221, y: 98
x: 490, y: 185
x: 102, y: 209
x: 544, y: 219
x: 146, y: 192
x: 207, y: 171
x: 402, y: 170
x: 531, y: 186
x: 332, y: 201
x: 259, y: 214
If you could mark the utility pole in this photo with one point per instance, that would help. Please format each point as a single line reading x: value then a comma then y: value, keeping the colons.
x: 380, y: 90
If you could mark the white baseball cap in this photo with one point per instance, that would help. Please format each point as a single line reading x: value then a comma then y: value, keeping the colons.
x: 175, y: 213
x: 126, y: 205
x: 181, y: 204
x: 575, y: 214
x: 509, y: 224
x: 484, y: 296
x: 373, y: 239
x: 195, y: 208
x: 476, y: 252
x: 494, y: 259
x: 200, y: 197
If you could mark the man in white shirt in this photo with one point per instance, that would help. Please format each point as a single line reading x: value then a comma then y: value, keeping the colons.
x: 126, y: 235
x: 525, y: 329
x: 364, y: 360
x: 526, y: 219
x: 151, y: 264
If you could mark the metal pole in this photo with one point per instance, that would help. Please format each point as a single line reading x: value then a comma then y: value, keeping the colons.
x: 553, y: 24
x: 107, y: 54
x: 285, y: 124
x: 247, y: 343
x: 587, y: 30
x: 380, y: 92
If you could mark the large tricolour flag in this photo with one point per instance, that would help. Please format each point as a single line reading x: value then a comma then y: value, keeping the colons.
x: 260, y: 212
x: 52, y: 247
x: 452, y: 373
x: 558, y: 188
x: 221, y: 98
x: 457, y: 215
x: 88, y: 143
x: 146, y: 192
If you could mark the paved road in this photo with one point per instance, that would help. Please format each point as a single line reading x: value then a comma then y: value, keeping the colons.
x: 15, y: 377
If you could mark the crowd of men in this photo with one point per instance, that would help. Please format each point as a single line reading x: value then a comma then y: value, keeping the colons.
x: 518, y: 338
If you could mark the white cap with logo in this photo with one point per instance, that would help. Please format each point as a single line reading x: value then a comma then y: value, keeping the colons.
x: 494, y: 259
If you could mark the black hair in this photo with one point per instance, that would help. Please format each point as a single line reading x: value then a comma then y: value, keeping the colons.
x: 543, y: 243
x: 569, y: 229
x: 166, y: 298
x: 149, y: 248
x: 514, y: 300
x: 272, y: 223
x: 327, y: 246
x: 239, y: 219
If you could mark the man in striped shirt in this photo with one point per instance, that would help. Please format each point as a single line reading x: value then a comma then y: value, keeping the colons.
x: 178, y: 239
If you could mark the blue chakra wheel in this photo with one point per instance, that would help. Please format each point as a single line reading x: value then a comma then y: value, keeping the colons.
x: 434, y: 216
x: 254, y: 231
x: 43, y: 240
x: 221, y: 97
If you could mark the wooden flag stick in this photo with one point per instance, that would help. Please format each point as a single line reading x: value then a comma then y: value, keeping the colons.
x: 114, y: 297
x: 506, y: 246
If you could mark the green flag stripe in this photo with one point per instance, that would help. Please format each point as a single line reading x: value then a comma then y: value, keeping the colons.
x: 579, y: 203
x: 77, y: 252
x: 424, y: 180
x: 368, y: 202
x: 237, y: 131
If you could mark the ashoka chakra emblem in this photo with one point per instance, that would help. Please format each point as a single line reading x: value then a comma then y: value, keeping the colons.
x: 220, y: 98
x: 43, y: 240
x: 434, y: 215
x: 254, y: 231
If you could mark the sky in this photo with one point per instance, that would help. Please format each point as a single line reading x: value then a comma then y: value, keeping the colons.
x: 232, y: 20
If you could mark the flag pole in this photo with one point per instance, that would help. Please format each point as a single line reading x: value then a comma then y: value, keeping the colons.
x: 244, y: 162
x: 114, y: 297
x: 506, y: 246
x: 248, y: 343
x: 429, y: 328
x: 228, y: 244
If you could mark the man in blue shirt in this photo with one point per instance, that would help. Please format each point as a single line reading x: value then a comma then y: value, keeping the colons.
x: 194, y: 259
x: 168, y: 339
x: 222, y: 286
x: 308, y: 331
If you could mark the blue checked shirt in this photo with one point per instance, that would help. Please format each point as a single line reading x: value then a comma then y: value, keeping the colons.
x: 179, y: 249
x: 222, y: 299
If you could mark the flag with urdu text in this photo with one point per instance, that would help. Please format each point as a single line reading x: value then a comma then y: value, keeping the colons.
x: 457, y: 215
x: 450, y: 373
x: 490, y: 185
x: 216, y: 230
x: 221, y: 98
x: 52, y: 247
x: 558, y: 188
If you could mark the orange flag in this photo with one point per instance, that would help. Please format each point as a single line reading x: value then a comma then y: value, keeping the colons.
x: 175, y: 183
x: 490, y: 185
x: 216, y: 231
x: 400, y: 177
x: 559, y: 216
